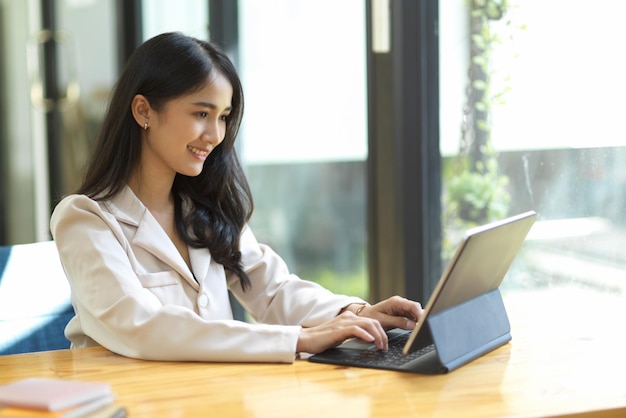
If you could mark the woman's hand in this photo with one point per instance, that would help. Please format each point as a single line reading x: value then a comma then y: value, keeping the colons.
x: 345, y: 325
x: 395, y: 312
x: 369, y: 325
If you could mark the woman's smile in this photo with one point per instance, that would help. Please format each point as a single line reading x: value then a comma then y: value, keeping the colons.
x: 201, y: 153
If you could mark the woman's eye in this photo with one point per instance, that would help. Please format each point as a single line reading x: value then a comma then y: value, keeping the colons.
x: 203, y: 114
x: 224, y: 118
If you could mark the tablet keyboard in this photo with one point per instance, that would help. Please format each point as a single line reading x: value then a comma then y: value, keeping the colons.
x: 394, y: 356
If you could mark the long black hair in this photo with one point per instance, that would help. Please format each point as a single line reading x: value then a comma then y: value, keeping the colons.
x: 210, y: 209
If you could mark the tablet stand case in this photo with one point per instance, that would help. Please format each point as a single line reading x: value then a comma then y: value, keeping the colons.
x: 465, y: 332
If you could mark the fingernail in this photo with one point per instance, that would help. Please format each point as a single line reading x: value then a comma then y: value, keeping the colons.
x: 410, y: 324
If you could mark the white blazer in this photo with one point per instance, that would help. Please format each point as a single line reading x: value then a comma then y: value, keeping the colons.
x: 134, y: 294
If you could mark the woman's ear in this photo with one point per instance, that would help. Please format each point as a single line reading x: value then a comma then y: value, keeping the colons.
x: 140, y: 106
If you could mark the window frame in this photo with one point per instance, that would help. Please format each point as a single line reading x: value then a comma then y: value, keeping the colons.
x: 404, y: 165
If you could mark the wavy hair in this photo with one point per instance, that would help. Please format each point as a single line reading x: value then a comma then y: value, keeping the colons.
x: 210, y: 209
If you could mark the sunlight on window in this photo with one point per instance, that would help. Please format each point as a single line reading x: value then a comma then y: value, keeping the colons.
x: 555, y: 143
x: 305, y: 82
x: 304, y: 134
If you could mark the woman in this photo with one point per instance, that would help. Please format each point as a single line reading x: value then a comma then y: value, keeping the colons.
x: 158, y: 232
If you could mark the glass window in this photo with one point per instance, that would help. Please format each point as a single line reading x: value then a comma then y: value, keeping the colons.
x: 531, y: 103
x: 304, y: 135
x: 88, y: 75
x: 190, y: 17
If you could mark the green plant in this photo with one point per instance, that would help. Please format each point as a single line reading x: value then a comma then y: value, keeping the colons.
x: 480, y: 194
x: 475, y: 190
x: 349, y: 283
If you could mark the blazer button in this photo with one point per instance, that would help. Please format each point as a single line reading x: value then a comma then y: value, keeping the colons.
x: 203, y: 300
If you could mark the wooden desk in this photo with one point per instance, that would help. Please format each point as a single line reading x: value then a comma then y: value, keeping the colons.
x: 559, y: 364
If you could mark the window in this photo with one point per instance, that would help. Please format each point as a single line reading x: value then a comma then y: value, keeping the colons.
x: 304, y: 134
x: 547, y: 133
x: 161, y: 16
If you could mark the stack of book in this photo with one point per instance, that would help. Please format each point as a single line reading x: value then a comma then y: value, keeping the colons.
x: 50, y: 397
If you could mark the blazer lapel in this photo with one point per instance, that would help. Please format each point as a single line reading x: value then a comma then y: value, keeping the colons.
x: 150, y: 235
x: 200, y: 262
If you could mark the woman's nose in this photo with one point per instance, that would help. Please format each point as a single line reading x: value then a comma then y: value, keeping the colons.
x: 213, y: 133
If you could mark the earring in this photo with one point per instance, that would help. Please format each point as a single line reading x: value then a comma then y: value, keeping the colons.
x: 145, y: 126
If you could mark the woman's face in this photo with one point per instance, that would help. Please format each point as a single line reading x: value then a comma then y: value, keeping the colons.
x: 183, y: 134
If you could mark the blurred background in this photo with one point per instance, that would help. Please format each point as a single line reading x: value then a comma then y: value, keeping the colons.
x: 375, y: 131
